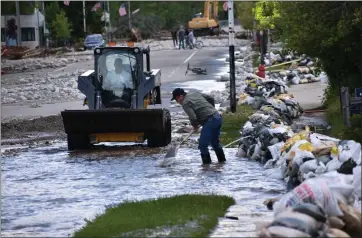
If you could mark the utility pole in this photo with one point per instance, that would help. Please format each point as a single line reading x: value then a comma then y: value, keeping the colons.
x: 109, y: 23
x: 262, y: 47
x: 232, y: 56
x: 18, y: 30
x: 84, y: 25
x: 105, y: 19
x: 129, y: 15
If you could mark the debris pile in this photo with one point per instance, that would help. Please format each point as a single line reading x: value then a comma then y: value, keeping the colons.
x: 32, y: 64
x: 21, y: 52
x: 326, y: 206
x: 54, y: 87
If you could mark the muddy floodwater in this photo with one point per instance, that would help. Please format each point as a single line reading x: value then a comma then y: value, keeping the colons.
x: 49, y: 191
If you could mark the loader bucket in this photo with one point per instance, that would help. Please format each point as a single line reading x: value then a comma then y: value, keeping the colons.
x: 155, y: 124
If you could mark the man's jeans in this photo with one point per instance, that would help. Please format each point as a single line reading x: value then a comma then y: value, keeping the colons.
x: 210, y: 134
x: 181, y: 42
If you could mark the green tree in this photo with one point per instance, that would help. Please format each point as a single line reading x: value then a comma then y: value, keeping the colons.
x: 329, y: 31
x: 244, y: 12
x: 62, y: 26
x: 51, y: 11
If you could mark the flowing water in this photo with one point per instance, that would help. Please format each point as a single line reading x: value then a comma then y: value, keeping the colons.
x: 49, y: 191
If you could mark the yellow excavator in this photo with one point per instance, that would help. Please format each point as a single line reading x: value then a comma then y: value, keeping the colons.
x: 208, y: 23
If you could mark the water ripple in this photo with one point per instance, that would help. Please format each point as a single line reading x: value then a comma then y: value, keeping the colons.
x: 49, y: 192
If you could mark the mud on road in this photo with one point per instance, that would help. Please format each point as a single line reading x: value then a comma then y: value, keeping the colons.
x: 25, y: 131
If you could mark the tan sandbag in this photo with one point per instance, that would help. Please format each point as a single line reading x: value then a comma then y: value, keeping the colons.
x: 303, y: 81
x: 303, y: 70
x: 351, y: 219
x: 324, y: 149
x: 281, y: 231
x: 316, y: 79
x: 335, y: 222
x: 338, y: 233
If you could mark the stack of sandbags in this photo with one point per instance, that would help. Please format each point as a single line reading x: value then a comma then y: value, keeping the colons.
x: 319, y: 207
x: 307, y: 155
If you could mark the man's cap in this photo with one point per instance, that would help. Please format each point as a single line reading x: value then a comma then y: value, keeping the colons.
x: 177, y: 92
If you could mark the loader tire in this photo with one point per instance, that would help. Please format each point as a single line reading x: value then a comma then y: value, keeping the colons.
x: 78, y: 142
x: 161, y: 139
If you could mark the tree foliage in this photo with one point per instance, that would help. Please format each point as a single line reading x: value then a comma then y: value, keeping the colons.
x: 52, y: 9
x: 330, y: 31
x: 244, y: 11
x: 61, y: 26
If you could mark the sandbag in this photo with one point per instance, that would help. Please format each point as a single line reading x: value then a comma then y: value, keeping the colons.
x: 282, y: 231
x: 334, y: 164
x: 313, y: 191
x: 357, y: 181
x: 350, y: 149
x: 311, y: 210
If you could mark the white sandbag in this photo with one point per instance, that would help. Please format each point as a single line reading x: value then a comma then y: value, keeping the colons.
x: 256, y: 153
x: 340, y: 185
x: 240, y: 153
x: 224, y: 78
x: 350, y: 150
x: 274, y: 173
x: 323, y: 78
x: 295, y: 80
x: 277, y: 103
x: 314, y: 191
x: 238, y: 64
x: 338, y: 178
x: 278, y: 130
x: 275, y: 150
x: 334, y: 164
x: 300, y: 155
x: 357, y: 181
x: 309, y: 76
x: 248, y: 124
x: 309, y: 166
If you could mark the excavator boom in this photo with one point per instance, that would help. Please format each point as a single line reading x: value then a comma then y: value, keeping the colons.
x: 207, y: 24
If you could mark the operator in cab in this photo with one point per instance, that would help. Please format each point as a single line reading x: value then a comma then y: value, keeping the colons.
x: 119, y: 79
x: 201, y: 111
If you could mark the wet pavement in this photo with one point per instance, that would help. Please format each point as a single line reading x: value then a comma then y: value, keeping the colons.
x: 49, y: 191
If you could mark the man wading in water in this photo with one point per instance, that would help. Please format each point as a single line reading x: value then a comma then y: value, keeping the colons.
x: 201, y: 111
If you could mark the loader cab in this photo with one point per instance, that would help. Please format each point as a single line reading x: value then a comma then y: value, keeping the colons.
x: 116, y: 72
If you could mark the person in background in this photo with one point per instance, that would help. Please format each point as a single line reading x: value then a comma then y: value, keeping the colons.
x: 201, y: 111
x: 181, y: 38
x: 174, y: 37
x: 191, y: 38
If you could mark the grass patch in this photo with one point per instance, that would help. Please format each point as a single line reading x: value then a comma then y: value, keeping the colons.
x: 190, y: 215
x: 338, y: 129
x: 256, y: 60
x: 232, y: 123
x: 335, y: 118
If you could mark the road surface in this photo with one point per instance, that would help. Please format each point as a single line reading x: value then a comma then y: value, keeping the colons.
x: 173, y: 64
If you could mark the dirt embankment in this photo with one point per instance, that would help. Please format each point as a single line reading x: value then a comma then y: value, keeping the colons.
x: 20, y: 131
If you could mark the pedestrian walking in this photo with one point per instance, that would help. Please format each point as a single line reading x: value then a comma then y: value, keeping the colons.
x: 174, y: 37
x: 191, y: 39
x: 181, y: 38
x: 201, y: 111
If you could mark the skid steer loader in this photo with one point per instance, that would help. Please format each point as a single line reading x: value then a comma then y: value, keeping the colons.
x: 118, y: 92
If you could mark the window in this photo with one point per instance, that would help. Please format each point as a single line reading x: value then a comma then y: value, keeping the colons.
x: 28, y: 34
x: 2, y: 34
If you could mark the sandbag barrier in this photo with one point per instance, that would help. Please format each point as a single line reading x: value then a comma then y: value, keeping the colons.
x: 324, y: 206
x: 324, y: 171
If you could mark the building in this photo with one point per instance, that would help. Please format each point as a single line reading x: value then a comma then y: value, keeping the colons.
x: 32, y: 29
